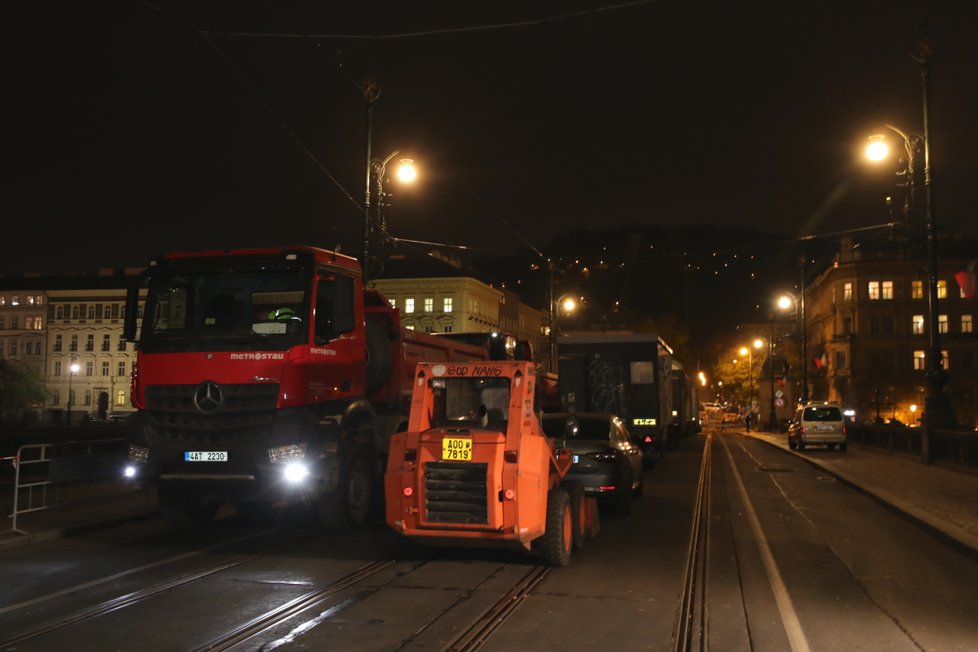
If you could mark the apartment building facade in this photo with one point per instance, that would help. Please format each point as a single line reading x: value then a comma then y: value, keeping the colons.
x: 868, y: 333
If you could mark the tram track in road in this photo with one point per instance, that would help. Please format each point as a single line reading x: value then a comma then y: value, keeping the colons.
x: 138, y: 596
x: 692, y: 615
x: 493, y: 618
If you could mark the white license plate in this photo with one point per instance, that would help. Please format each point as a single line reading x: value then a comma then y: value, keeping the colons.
x: 205, y: 456
x: 823, y: 427
x: 576, y: 458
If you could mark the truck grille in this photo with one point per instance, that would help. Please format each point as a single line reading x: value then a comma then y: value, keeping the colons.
x: 455, y: 492
x: 245, y: 413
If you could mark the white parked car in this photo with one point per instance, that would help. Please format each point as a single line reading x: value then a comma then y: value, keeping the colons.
x: 818, y: 424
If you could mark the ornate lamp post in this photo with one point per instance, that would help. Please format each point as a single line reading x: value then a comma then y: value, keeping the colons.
x: 749, y: 352
x: 788, y: 301
x: 937, y: 407
x: 772, y: 421
x: 568, y: 303
x: 72, y: 370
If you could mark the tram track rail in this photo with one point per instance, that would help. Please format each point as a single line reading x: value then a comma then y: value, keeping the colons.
x: 135, y: 597
x: 692, y: 615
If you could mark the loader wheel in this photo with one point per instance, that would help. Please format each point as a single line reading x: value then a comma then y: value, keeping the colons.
x: 554, y: 547
x: 184, y: 510
x: 579, y: 513
x: 350, y: 504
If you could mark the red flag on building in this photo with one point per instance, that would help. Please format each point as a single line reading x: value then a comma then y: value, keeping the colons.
x: 821, y: 361
x: 966, y: 280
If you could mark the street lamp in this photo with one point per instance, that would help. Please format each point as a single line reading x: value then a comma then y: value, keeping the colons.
x: 72, y: 370
x: 786, y: 302
x: 772, y: 421
x: 937, y: 407
x: 569, y: 304
x: 749, y: 352
x: 374, y: 220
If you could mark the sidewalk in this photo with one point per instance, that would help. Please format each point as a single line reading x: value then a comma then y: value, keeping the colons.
x: 941, y: 499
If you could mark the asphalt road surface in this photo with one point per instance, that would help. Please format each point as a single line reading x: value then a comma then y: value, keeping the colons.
x: 735, y: 545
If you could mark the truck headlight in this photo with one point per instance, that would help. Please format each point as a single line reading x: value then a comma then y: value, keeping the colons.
x: 296, y: 471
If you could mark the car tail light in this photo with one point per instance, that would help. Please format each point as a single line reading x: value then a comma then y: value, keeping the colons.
x: 603, y: 456
x: 843, y: 428
x: 804, y: 430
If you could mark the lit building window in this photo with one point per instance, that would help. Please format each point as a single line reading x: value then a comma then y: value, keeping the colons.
x: 15, y: 300
x: 120, y: 397
x: 917, y: 325
x: 446, y: 304
x: 967, y: 326
x: 942, y: 323
x: 916, y: 289
x: 409, y: 305
x: 944, y: 360
x: 410, y: 327
x: 918, y: 360
x: 429, y: 304
x: 874, y: 290
x: 887, y: 290
x: 942, y: 289
x: 3, y: 300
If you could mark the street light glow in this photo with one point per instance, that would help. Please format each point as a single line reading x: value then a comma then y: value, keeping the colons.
x: 784, y: 302
x: 568, y: 304
x: 406, y: 171
x: 744, y: 351
x: 758, y: 343
x: 877, y: 150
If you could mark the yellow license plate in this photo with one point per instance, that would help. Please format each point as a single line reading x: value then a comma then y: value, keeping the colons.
x: 457, y: 449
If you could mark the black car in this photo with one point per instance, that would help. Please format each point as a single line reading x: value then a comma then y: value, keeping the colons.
x: 606, y: 460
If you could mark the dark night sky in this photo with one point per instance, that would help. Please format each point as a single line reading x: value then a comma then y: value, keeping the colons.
x: 129, y: 132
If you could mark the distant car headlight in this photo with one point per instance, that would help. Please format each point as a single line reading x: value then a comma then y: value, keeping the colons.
x: 287, y: 454
x: 130, y: 471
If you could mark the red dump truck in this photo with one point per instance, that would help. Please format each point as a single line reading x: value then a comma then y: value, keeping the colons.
x: 474, y: 466
x: 268, y: 375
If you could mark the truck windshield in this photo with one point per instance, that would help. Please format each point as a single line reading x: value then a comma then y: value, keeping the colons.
x: 268, y: 308
x: 470, y: 402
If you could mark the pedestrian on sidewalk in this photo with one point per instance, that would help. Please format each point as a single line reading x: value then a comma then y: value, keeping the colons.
x: 747, y: 420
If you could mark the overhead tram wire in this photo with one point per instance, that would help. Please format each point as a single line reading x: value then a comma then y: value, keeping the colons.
x: 206, y: 36
x: 451, y: 30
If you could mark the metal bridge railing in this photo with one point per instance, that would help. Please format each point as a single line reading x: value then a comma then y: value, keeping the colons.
x: 56, y: 474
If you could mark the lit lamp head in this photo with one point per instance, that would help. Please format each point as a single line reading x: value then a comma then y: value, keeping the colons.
x: 877, y: 149
x: 785, y: 302
x: 406, y: 171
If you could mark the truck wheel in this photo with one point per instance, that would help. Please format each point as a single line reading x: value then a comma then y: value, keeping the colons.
x: 579, y: 513
x: 182, y: 510
x: 350, y: 503
x: 554, y: 547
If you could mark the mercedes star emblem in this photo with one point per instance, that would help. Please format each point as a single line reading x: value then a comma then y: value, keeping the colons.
x: 208, y: 396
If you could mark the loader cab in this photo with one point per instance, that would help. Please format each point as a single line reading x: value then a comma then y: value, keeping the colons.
x: 470, y: 402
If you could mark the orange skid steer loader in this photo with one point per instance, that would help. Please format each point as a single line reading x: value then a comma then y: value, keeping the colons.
x: 475, y: 468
